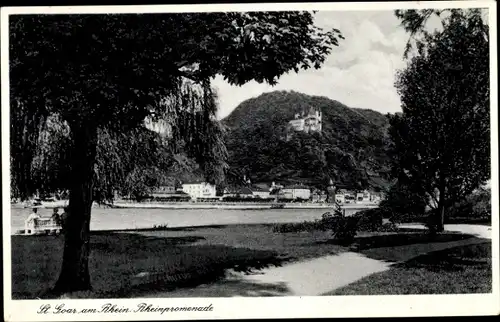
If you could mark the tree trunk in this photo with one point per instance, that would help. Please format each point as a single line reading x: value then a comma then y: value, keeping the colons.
x: 74, y: 274
x: 439, y: 216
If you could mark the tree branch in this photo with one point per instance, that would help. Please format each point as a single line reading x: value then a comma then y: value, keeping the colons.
x: 190, y: 75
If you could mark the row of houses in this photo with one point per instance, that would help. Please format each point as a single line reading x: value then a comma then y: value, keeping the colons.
x: 345, y: 196
x: 200, y: 190
x: 206, y: 191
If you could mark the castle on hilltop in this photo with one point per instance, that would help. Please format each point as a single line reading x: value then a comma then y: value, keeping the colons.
x: 306, y: 122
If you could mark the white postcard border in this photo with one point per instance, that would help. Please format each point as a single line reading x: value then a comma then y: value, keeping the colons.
x: 269, y: 307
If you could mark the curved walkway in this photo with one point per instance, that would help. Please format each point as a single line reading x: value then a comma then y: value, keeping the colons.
x: 307, y: 278
x: 320, y: 275
x: 314, y: 277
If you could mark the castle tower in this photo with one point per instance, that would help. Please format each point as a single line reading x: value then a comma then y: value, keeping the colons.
x: 319, y: 116
x: 331, y: 191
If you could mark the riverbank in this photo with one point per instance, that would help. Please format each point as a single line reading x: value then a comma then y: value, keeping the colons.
x: 236, y: 205
x: 203, y: 205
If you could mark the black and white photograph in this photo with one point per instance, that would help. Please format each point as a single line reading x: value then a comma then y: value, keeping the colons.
x: 235, y: 161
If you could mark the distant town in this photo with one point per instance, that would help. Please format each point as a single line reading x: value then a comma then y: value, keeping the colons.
x: 202, y: 191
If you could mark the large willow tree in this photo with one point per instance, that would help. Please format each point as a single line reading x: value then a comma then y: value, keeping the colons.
x: 110, y: 72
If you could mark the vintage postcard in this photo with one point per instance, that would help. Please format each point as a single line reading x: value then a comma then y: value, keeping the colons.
x: 239, y: 161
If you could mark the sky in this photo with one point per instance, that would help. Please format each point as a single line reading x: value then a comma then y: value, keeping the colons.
x: 360, y: 72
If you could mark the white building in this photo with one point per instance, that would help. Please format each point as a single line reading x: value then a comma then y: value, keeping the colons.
x: 363, y: 197
x: 261, y: 193
x: 340, y: 198
x: 238, y: 192
x: 199, y: 190
x: 163, y: 191
x: 296, y: 192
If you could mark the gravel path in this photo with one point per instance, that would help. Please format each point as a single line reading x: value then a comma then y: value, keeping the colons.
x: 320, y: 275
x: 307, y: 278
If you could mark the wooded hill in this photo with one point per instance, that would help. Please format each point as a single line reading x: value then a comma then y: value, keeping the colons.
x: 351, y: 149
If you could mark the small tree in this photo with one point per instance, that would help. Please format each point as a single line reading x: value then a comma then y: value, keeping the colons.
x: 442, y: 139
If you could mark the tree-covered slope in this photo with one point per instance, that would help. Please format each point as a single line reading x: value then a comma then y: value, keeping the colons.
x: 350, y: 150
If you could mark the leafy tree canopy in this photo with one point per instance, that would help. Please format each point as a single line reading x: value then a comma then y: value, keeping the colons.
x: 442, y: 139
x: 416, y: 23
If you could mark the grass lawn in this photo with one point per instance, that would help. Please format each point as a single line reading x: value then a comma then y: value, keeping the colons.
x: 187, y: 257
x: 457, y: 270
x: 452, y: 221
x: 203, y: 253
x: 293, y: 246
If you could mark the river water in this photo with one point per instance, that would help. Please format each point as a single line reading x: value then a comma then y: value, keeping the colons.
x: 116, y: 219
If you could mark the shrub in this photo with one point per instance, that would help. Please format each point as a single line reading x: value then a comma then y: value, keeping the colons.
x: 475, y: 206
x: 343, y: 228
x: 388, y: 227
x: 297, y: 227
x: 370, y: 219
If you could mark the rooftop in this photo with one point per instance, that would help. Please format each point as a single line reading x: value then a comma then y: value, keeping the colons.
x: 238, y: 190
x: 259, y: 189
x: 296, y: 186
x: 194, y: 182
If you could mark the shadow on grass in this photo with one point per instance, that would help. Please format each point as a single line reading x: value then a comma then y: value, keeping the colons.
x: 453, y: 259
x: 139, y: 242
x: 131, y: 230
x: 246, y: 288
x: 121, y: 264
x: 397, y: 247
x: 204, y: 285
x: 401, y: 248
x: 393, y: 240
x: 411, y: 230
x: 182, y: 228
x: 379, y: 240
x: 231, y: 288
